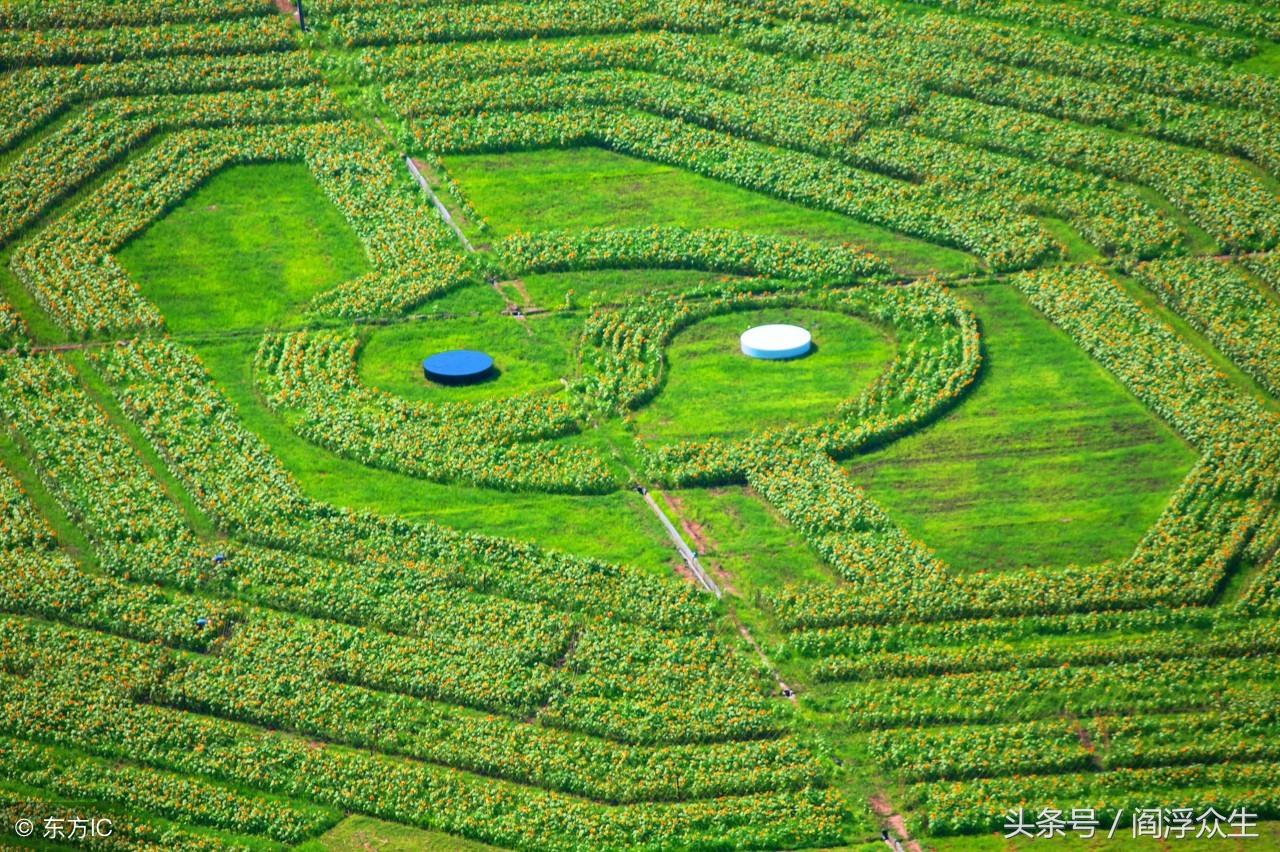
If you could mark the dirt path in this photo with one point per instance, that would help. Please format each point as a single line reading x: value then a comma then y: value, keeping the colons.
x: 897, y: 825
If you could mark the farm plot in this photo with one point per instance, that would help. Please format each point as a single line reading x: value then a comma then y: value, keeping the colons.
x: 1009, y: 536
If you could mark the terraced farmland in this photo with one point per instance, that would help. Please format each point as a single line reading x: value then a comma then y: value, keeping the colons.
x: 1004, y: 543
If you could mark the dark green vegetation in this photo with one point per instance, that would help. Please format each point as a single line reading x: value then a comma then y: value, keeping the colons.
x: 246, y: 251
x: 1049, y: 461
x: 712, y: 389
x: 529, y: 191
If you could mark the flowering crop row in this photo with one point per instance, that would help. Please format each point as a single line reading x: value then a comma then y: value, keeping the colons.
x: 1094, y: 23
x: 1220, y: 195
x: 21, y: 526
x: 797, y: 121
x: 1142, y: 71
x: 1241, y: 733
x: 1261, y: 637
x: 30, y: 97
x: 850, y: 640
x: 189, y: 800
x: 405, y: 791
x: 709, y: 62
x: 1223, y: 302
x: 962, y: 218
x: 128, y: 830
x: 55, y: 167
x: 1189, y: 683
x: 1111, y: 217
x: 710, y: 249
x: 978, y: 806
x: 311, y: 377
x: 490, y: 745
x: 74, y: 46
x: 514, y: 20
x: 250, y: 683
x: 103, y: 13
x: 70, y: 270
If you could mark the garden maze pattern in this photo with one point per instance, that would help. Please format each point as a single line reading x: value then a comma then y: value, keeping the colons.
x: 214, y: 659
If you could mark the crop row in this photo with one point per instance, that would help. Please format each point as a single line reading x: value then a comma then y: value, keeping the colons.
x: 1228, y: 306
x: 1260, y: 637
x: 108, y: 130
x: 711, y: 249
x: 405, y: 791
x: 31, y: 97
x: 516, y: 20
x: 984, y: 805
x: 128, y: 830
x: 1188, y: 683
x: 965, y: 219
x: 1085, y: 21
x: 1141, y: 70
x: 1067, y: 744
x: 185, y: 799
x: 103, y: 13
x: 272, y: 674
x: 76, y: 46
x: 311, y: 378
x: 851, y: 640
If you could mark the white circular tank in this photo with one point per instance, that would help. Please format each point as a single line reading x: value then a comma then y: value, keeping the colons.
x: 776, y: 342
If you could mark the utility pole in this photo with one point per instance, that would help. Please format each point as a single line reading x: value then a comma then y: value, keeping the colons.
x: 302, y: 17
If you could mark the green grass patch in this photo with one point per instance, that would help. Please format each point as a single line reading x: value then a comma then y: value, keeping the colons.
x: 1049, y: 461
x: 591, y: 187
x: 1265, y: 61
x: 712, y: 389
x: 531, y: 355
x: 565, y: 522
x: 366, y: 834
x: 560, y: 290
x: 246, y: 250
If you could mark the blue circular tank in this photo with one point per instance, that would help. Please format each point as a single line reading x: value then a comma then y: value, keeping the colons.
x: 458, y: 367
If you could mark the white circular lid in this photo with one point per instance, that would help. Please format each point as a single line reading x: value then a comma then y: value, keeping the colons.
x: 776, y: 338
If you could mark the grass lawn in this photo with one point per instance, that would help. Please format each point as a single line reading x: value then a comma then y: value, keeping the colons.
x: 1050, y: 461
x: 566, y: 522
x: 712, y: 389
x: 366, y: 834
x: 246, y: 250
x: 529, y: 356
x: 590, y: 187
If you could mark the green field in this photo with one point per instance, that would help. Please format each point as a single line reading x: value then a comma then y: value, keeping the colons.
x: 1048, y: 462
x: 1007, y: 537
x: 246, y: 251
x: 713, y: 390
x: 525, y: 191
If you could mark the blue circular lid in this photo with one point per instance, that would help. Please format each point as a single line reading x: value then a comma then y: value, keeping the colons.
x: 458, y: 363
